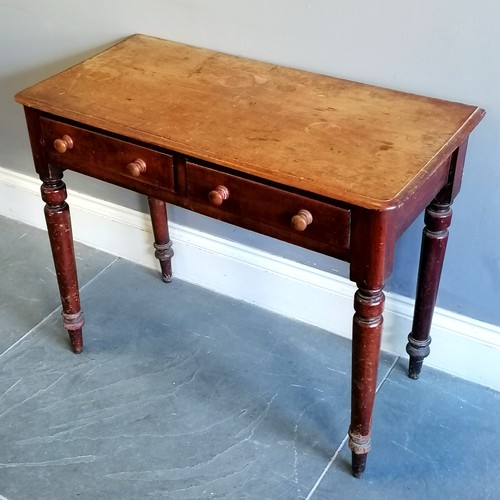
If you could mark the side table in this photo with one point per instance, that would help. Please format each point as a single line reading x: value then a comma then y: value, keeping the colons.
x: 339, y: 167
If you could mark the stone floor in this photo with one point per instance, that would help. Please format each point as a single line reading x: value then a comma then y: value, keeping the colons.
x: 181, y: 393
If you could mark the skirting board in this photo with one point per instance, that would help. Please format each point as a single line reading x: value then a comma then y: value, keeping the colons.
x: 461, y: 346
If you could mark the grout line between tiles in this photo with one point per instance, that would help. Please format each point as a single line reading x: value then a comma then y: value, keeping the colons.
x: 344, y: 441
x: 18, y: 341
x: 339, y: 449
x: 58, y: 308
x: 389, y: 371
x: 100, y: 272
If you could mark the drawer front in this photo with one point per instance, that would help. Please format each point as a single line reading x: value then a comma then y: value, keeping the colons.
x: 106, y: 158
x: 269, y: 210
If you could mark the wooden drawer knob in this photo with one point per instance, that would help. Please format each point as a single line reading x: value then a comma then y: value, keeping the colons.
x: 64, y: 143
x: 301, y: 220
x: 136, y: 168
x: 218, y: 195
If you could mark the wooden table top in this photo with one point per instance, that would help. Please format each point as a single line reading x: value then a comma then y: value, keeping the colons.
x: 347, y: 141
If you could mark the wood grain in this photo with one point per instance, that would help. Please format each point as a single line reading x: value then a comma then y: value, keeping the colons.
x: 335, y: 138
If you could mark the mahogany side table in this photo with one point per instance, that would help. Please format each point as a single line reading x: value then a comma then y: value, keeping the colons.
x: 335, y: 166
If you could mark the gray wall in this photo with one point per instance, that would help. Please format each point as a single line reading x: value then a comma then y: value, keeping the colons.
x: 448, y: 49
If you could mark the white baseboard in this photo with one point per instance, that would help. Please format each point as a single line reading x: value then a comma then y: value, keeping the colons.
x: 461, y: 346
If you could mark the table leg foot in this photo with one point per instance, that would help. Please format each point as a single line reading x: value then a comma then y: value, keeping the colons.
x: 360, y: 446
x: 162, y: 244
x: 358, y: 464
x: 76, y: 340
x: 434, y: 239
x: 418, y: 350
x: 74, y: 325
x: 414, y: 368
x: 164, y: 254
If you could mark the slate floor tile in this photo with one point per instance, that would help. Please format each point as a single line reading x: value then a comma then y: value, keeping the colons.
x: 433, y: 438
x: 28, y: 289
x: 180, y: 393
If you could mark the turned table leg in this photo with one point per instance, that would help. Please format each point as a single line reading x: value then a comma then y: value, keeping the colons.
x: 162, y: 244
x: 58, y: 221
x: 434, y: 239
x: 367, y: 330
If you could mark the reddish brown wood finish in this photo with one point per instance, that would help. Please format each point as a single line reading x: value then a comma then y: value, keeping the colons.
x: 63, y: 144
x: 162, y: 244
x: 331, y: 165
x: 268, y: 209
x: 434, y: 240
x: 343, y: 140
x: 301, y: 220
x: 108, y: 158
x: 366, y: 335
x: 218, y: 195
x: 58, y: 221
x: 137, y: 167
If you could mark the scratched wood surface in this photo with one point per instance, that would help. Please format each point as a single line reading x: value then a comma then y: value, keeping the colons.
x: 344, y: 140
